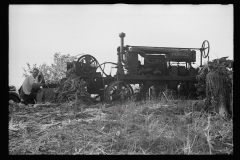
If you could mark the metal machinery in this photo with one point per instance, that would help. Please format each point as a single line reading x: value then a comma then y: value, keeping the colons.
x: 13, y: 94
x: 161, y: 67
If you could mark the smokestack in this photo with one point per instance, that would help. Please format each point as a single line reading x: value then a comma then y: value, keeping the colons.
x: 120, y: 56
x: 122, y: 35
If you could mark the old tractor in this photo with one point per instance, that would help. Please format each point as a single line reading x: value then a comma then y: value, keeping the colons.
x: 160, y: 68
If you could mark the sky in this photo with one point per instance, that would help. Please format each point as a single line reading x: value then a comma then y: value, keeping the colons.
x: 37, y: 32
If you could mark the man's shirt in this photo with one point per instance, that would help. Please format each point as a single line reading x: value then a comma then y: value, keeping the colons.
x: 27, y: 84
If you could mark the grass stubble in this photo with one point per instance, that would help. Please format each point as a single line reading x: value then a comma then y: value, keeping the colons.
x: 147, y: 127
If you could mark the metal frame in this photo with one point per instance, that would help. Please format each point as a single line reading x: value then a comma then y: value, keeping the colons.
x: 141, y: 79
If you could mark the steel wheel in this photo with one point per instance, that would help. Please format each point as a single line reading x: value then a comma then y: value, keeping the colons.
x: 118, y: 91
x: 205, y: 46
x: 87, y: 65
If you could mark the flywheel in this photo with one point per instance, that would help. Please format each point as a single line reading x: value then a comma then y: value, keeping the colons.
x: 86, y: 65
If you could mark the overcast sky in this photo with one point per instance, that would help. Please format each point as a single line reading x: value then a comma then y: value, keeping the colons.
x: 37, y: 32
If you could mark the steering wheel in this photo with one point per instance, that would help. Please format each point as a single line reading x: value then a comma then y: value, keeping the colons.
x: 205, y: 46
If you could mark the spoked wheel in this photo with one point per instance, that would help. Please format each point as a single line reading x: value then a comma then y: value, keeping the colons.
x: 118, y: 91
x: 87, y: 65
x: 205, y: 49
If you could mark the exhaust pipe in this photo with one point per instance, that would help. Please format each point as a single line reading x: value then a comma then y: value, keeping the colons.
x: 120, y: 54
x: 121, y: 35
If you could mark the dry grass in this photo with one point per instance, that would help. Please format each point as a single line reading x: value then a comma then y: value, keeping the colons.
x: 150, y: 127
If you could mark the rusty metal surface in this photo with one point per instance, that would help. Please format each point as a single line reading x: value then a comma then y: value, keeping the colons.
x: 155, y: 78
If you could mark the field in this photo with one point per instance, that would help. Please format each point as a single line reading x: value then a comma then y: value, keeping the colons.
x: 148, y: 127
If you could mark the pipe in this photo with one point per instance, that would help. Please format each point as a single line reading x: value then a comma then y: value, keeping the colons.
x: 120, y: 55
x: 201, y: 59
x: 121, y: 35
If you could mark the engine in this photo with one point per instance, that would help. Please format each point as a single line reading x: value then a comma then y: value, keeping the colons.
x: 154, y: 65
x: 157, y: 61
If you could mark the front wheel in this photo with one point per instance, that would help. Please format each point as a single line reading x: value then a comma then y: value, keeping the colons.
x: 118, y: 91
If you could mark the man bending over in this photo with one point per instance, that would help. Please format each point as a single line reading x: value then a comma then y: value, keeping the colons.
x: 30, y: 87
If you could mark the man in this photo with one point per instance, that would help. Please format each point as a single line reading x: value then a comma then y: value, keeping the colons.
x: 31, y: 86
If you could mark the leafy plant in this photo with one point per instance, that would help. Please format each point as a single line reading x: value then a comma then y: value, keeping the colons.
x: 54, y: 72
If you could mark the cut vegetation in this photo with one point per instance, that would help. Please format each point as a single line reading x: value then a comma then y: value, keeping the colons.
x: 149, y: 127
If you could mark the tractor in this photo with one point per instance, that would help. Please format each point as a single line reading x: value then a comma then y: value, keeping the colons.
x: 157, y: 68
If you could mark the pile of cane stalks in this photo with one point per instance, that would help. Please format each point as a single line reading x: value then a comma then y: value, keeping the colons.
x: 217, y: 77
x: 73, y: 89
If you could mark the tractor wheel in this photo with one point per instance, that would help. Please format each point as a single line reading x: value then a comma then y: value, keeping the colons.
x: 14, y: 98
x: 118, y: 91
